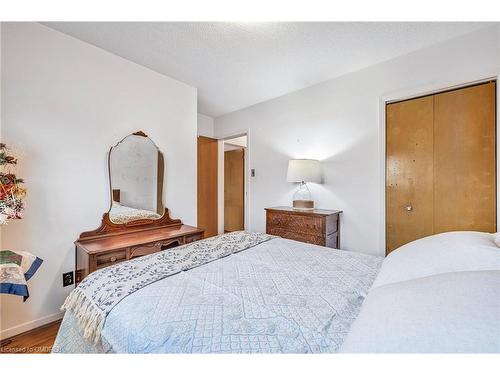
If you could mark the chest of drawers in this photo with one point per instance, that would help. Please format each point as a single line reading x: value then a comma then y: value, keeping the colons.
x: 319, y: 227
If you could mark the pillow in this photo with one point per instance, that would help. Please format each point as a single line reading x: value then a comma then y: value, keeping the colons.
x: 456, y: 312
x: 440, y: 253
x: 496, y: 239
x: 16, y: 268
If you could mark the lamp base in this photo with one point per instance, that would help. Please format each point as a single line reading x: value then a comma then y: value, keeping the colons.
x: 303, y: 205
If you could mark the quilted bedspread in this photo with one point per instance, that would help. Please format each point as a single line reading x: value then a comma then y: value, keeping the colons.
x: 280, y: 296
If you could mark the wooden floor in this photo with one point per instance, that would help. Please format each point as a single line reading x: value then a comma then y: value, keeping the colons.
x: 36, y: 341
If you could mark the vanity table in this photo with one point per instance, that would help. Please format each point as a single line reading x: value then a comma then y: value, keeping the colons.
x: 99, y: 252
x: 137, y: 222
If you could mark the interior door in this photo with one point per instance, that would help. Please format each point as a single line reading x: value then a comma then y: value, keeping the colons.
x: 234, y: 190
x: 464, y: 161
x: 409, y: 171
x: 207, y: 185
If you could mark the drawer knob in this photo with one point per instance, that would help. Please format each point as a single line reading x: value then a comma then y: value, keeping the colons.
x: 113, y: 259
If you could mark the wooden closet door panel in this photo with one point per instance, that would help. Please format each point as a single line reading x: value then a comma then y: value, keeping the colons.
x: 234, y: 190
x: 464, y: 163
x: 409, y: 171
x: 207, y: 185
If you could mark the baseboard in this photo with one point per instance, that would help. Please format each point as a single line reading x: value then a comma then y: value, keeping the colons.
x: 16, y: 330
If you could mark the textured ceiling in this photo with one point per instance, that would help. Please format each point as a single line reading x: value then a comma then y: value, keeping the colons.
x: 236, y: 65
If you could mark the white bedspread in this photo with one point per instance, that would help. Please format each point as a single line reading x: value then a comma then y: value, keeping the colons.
x: 457, y: 312
x: 281, y: 296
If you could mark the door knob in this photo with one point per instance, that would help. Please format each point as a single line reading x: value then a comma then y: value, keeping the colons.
x: 409, y: 207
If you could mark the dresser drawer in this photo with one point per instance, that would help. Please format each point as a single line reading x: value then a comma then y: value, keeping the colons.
x: 146, y: 249
x: 108, y: 259
x: 296, y: 223
x: 194, y: 237
x: 307, y: 238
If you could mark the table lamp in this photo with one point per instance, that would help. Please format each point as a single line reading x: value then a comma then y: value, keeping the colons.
x: 303, y: 171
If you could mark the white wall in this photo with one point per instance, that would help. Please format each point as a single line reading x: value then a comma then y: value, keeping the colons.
x: 205, y: 125
x: 341, y: 122
x: 65, y: 103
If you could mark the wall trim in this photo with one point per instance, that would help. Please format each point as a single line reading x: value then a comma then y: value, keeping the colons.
x: 28, y: 326
x: 413, y: 92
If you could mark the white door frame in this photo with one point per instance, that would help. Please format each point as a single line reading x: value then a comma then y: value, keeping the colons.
x: 422, y: 91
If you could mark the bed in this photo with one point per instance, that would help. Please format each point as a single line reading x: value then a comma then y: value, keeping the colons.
x: 437, y: 294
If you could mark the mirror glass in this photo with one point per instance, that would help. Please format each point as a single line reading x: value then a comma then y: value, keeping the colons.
x: 136, y: 174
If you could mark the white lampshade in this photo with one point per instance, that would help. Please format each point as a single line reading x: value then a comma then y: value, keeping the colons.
x: 306, y: 170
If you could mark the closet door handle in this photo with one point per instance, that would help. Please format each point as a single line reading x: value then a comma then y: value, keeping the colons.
x: 409, y: 207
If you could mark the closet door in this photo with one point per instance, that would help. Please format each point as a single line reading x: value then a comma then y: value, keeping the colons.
x: 409, y: 171
x: 464, y: 160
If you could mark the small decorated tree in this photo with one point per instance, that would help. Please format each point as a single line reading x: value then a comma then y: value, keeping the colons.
x: 12, y: 192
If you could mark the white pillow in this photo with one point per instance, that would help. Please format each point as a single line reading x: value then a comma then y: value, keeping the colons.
x: 496, y: 239
x: 440, y: 253
x: 447, y: 313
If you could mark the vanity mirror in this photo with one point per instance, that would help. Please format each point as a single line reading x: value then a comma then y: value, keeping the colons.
x: 136, y: 180
x: 136, y: 173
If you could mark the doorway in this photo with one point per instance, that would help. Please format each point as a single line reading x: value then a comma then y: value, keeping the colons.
x: 234, y: 183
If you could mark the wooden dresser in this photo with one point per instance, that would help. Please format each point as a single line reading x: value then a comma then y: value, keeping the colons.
x: 319, y: 227
x: 93, y: 253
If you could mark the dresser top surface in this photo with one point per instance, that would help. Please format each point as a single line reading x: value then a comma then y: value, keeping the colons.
x: 316, y: 211
x: 118, y: 241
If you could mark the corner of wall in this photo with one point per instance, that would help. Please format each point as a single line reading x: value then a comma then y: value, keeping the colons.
x: 205, y: 125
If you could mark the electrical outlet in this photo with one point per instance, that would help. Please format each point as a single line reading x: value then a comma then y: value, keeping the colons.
x: 252, y: 172
x: 68, y: 278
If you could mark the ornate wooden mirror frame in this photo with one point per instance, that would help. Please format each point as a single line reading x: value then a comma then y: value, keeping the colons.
x: 108, y: 227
